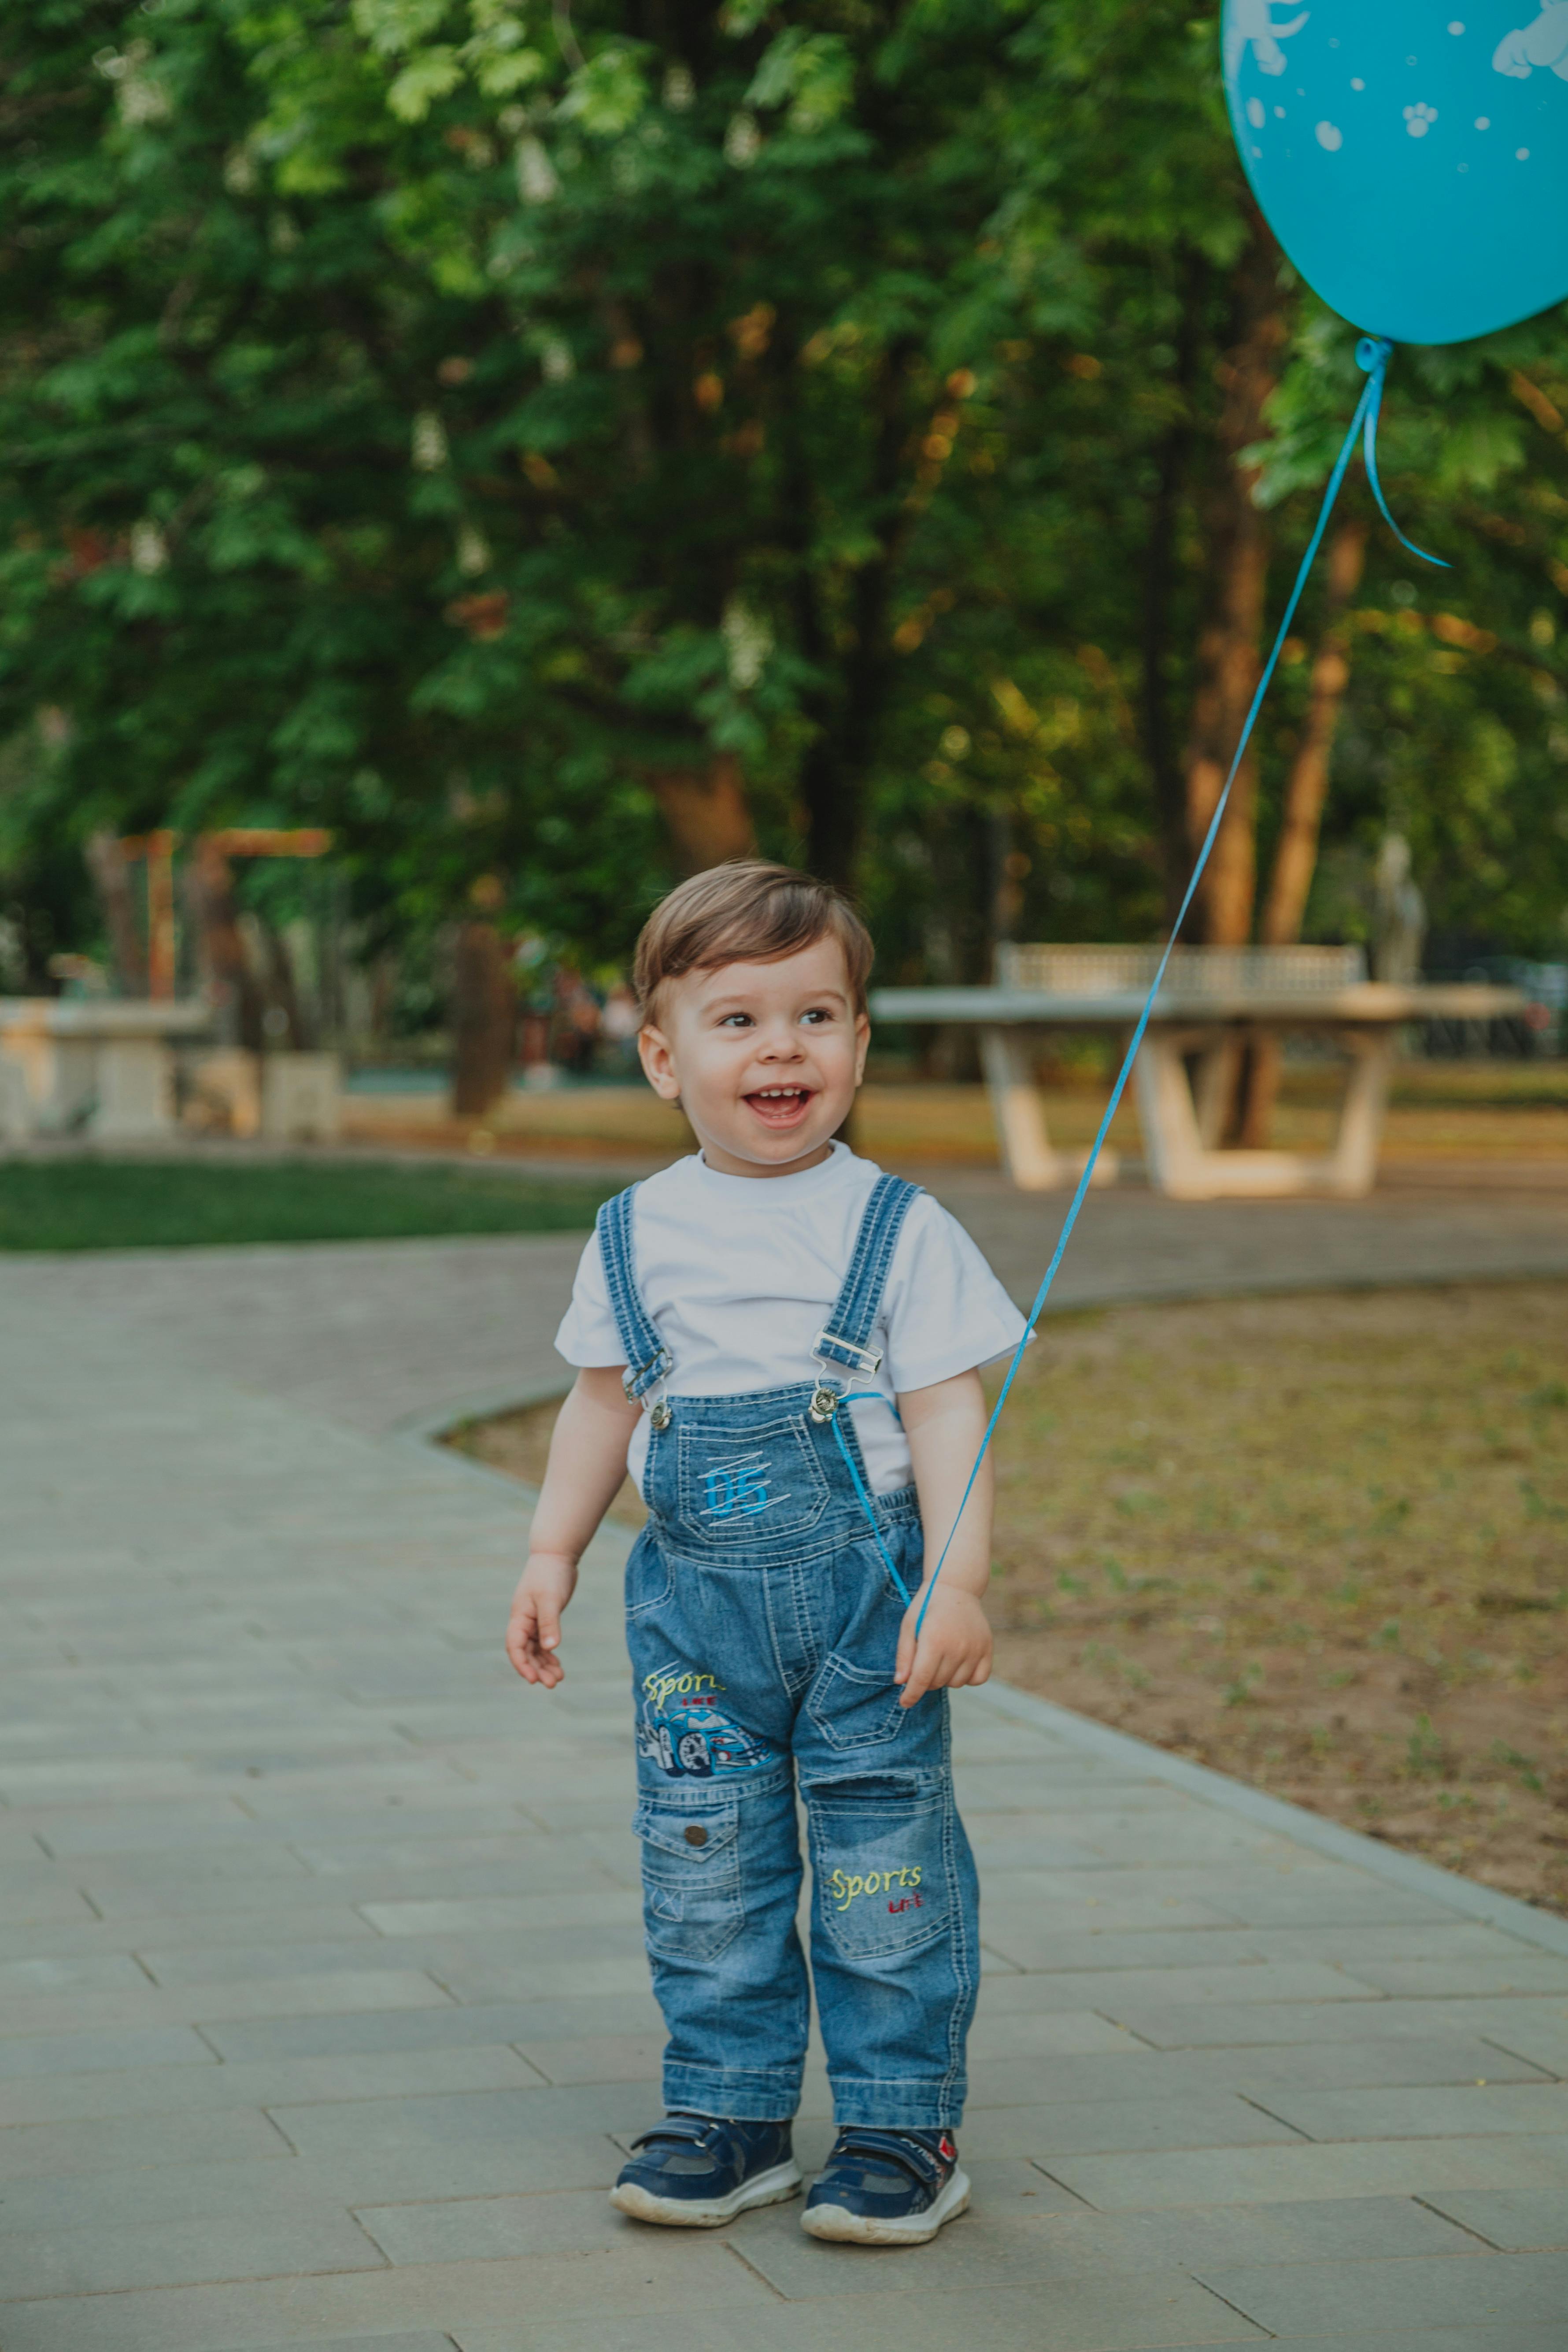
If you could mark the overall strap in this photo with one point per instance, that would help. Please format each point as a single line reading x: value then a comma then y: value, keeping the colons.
x: 648, y: 1359
x: 845, y: 1337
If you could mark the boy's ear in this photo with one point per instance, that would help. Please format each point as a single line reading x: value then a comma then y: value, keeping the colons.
x: 658, y: 1063
x: 862, y: 1044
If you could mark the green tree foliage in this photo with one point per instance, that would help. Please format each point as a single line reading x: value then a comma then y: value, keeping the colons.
x: 523, y: 440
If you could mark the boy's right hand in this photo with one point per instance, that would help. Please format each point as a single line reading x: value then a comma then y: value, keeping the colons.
x: 533, y: 1629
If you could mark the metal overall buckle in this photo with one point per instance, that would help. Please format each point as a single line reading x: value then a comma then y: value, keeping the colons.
x: 825, y: 1397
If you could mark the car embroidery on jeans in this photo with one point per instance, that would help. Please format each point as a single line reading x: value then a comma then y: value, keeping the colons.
x: 740, y: 1486
x: 847, y: 1889
x: 684, y: 1734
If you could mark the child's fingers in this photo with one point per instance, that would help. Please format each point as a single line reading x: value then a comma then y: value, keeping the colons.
x: 924, y: 1670
x: 905, y: 1659
x: 547, y: 1622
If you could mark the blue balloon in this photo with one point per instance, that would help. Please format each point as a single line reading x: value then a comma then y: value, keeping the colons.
x: 1410, y: 155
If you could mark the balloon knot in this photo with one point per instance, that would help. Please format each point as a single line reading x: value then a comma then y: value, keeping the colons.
x: 1372, y: 353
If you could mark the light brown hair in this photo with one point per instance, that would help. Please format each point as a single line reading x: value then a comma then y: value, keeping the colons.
x: 746, y: 912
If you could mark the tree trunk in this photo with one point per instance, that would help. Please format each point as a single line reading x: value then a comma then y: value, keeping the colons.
x: 1172, y: 460
x: 1229, y: 657
x: 283, y: 988
x: 236, y: 999
x: 1307, y: 788
x: 107, y: 864
x: 1306, y: 791
x: 484, y: 1012
x: 705, y: 813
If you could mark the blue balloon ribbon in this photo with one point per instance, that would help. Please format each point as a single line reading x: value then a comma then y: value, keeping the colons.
x: 1373, y: 354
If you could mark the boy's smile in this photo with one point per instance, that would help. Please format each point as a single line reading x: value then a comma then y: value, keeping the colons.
x: 763, y: 1058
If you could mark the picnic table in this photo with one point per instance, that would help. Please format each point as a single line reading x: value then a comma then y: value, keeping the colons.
x: 1213, y: 1001
x: 102, y: 1065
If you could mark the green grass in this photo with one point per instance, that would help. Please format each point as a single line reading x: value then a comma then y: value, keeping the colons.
x: 88, y: 1204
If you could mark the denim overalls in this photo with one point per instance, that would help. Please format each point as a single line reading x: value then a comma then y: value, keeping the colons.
x: 762, y: 1625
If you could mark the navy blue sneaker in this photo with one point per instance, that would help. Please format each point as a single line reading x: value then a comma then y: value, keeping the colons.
x: 695, y: 2171
x: 887, y: 2188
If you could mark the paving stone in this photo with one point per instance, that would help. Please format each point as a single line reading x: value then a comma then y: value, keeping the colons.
x: 313, y: 1992
x: 1487, y: 2290
x: 1013, y: 2235
x: 68, y: 1972
x: 1067, y: 2127
x: 1521, y: 1971
x: 1426, y: 2111
x: 1517, y: 2220
x: 99, y: 2146
x: 517, y: 2022
x: 1274, y: 2078
x: 644, y: 2278
x: 1106, y: 2316
x: 600, y: 2058
x: 56, y: 2053
x: 532, y: 1914
x: 180, y: 2253
x: 1265, y: 2175
x: 1171, y: 2025
x: 1122, y: 1993
x: 169, y: 2090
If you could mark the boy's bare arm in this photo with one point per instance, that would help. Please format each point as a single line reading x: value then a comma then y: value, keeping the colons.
x: 587, y: 1462
x: 944, y: 1425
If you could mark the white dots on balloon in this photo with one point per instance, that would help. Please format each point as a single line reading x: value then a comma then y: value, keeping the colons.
x: 1331, y: 138
x: 1483, y: 123
x: 1279, y: 114
x: 1256, y: 114
x: 1356, y: 82
x: 1455, y: 28
x: 1420, y: 118
x: 1522, y: 154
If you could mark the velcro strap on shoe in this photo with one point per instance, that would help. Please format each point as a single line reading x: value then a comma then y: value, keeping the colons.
x: 922, y: 2163
x: 692, y: 2131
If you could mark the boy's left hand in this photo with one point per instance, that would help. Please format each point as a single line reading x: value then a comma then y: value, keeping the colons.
x: 954, y: 1646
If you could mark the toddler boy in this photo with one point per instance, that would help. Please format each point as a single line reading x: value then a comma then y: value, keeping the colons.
x: 782, y: 1345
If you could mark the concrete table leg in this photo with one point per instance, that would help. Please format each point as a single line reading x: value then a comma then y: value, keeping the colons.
x: 135, y: 1091
x: 1026, y: 1152
x: 1177, y: 1152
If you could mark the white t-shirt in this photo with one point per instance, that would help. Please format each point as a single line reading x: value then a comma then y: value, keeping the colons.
x: 739, y: 1274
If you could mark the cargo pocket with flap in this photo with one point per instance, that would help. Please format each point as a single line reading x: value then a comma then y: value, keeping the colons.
x: 692, y: 1904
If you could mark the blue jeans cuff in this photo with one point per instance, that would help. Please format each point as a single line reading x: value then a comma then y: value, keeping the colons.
x: 761, y: 2095
x: 899, y: 2106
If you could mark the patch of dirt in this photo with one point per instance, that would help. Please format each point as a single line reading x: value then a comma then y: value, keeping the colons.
x: 1318, y: 1542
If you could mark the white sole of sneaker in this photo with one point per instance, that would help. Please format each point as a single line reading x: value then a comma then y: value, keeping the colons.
x: 681, y: 2213
x: 842, y: 2228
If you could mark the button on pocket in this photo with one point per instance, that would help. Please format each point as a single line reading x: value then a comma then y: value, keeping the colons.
x: 854, y: 1708
x: 692, y: 1904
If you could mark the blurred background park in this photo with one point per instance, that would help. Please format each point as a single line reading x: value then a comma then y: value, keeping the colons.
x: 468, y: 464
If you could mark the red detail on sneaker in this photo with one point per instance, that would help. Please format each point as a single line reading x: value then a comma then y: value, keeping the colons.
x: 947, y: 2149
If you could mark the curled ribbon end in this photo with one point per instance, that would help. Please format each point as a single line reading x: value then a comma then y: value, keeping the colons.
x: 1373, y: 354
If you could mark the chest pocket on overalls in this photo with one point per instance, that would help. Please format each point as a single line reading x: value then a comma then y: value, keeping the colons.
x: 744, y: 1488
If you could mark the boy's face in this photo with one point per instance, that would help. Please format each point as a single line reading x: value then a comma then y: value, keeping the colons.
x: 765, y: 1058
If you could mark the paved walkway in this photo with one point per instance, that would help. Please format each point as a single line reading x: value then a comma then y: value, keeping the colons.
x: 381, y: 1334
x: 323, y: 2008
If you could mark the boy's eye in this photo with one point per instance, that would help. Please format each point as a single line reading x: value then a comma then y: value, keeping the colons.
x: 736, y: 1020
x: 818, y: 1013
